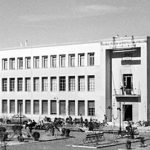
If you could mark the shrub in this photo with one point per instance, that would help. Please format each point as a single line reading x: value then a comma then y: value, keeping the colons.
x: 36, y: 136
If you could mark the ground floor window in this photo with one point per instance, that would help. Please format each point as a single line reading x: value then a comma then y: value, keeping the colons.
x: 44, y: 107
x: 28, y: 106
x: 12, y: 106
x: 71, y: 107
x: 91, y: 108
x: 36, y: 107
x: 19, y: 106
x: 81, y: 108
x: 62, y: 107
x: 53, y: 107
x: 4, y: 106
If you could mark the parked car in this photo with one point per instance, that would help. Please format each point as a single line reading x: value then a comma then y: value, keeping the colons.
x: 17, y: 119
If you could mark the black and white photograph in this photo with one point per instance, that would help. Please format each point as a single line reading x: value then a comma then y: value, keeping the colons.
x: 74, y: 74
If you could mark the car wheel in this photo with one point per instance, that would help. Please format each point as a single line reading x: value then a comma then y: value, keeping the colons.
x: 25, y: 122
x: 8, y: 121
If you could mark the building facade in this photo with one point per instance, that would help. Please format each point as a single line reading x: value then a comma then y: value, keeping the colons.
x: 109, y: 78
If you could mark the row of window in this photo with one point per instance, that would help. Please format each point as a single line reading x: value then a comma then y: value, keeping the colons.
x: 12, y: 109
x: 45, y: 60
x: 55, y: 84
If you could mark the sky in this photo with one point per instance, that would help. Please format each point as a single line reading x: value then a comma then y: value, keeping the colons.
x: 48, y: 22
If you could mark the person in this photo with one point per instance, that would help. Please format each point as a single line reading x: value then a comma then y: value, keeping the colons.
x: 81, y: 120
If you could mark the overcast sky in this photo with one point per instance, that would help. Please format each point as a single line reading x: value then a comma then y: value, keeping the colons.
x: 45, y: 22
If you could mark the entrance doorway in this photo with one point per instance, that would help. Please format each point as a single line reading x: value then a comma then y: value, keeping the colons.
x: 127, y: 109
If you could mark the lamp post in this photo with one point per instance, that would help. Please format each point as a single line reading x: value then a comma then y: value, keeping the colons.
x: 119, y: 108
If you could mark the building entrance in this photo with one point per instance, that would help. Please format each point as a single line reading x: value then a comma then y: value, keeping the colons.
x: 127, y: 110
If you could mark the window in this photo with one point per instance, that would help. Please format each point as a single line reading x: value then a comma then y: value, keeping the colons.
x: 81, y: 83
x: 27, y: 84
x: 53, y: 61
x: 71, y: 107
x: 35, y: 84
x: 44, y: 61
x: 19, y: 106
x: 81, y: 60
x: 62, y: 60
x: 62, y: 83
x: 62, y: 107
x: 12, y: 106
x: 91, y: 108
x: 4, y: 106
x: 72, y: 60
x: 19, y: 84
x: 4, y: 64
x: 81, y: 108
x: 12, y: 84
x: 44, y: 84
x: 128, y: 83
x: 28, y: 106
x: 44, y: 107
x: 91, y: 83
x: 90, y: 59
x: 53, y: 107
x: 71, y: 83
x: 36, y: 107
x: 4, y: 84
x: 20, y: 63
x: 53, y: 84
x: 28, y: 62
x: 36, y: 62
x: 12, y: 63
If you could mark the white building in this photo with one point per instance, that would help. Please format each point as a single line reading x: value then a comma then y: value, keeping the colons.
x: 90, y: 79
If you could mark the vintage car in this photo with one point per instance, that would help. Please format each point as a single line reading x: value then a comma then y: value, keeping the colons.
x: 17, y: 119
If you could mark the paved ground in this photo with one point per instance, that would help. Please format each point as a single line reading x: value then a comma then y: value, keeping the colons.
x: 74, y: 142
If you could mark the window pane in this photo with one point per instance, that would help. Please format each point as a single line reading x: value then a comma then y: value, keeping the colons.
x: 53, y: 61
x: 53, y: 84
x: 91, y: 83
x: 36, y: 62
x: 72, y: 83
x: 20, y: 63
x: 20, y: 106
x: 62, y: 83
x: 81, y: 60
x: 71, y: 107
x: 91, y: 59
x: 72, y: 60
x: 36, y: 107
x: 36, y: 84
x: 4, y: 84
x: 44, y: 84
x: 12, y: 84
x: 91, y: 108
x: 81, y: 108
x: 28, y: 106
x: 19, y: 84
x: 4, y: 64
x: 4, y: 106
x: 28, y: 62
x: 81, y: 83
x: 44, y: 107
x: 62, y: 107
x: 12, y: 106
x: 62, y: 60
x: 44, y: 61
x: 12, y: 63
x: 27, y: 84
x: 53, y: 107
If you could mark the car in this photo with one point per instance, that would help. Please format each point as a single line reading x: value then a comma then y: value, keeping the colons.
x: 17, y: 119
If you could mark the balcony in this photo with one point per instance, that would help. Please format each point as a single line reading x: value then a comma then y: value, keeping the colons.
x: 128, y: 95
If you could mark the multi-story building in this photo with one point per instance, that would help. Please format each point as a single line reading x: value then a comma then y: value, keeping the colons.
x: 110, y: 77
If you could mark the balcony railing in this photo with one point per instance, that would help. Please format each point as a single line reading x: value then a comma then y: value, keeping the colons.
x: 127, y: 92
